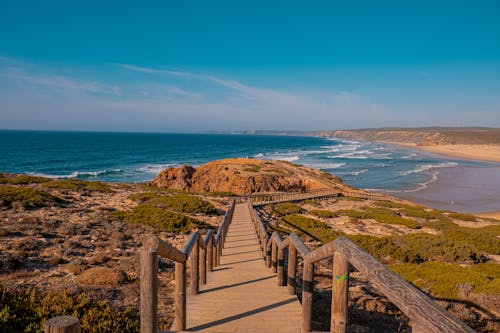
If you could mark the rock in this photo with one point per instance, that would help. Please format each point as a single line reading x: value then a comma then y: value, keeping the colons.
x: 239, y: 176
x: 101, y: 276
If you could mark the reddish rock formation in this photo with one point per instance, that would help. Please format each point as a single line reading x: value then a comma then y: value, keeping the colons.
x: 239, y: 176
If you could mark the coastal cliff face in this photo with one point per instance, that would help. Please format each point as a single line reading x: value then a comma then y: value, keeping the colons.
x: 434, y: 136
x: 242, y: 176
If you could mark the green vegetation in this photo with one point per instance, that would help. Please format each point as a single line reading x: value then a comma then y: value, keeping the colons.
x: 252, y: 168
x: 160, y: 218
x: 221, y: 194
x: 287, y: 208
x: 462, y: 217
x: 78, y: 185
x: 311, y: 227
x: 420, y: 212
x: 25, y: 311
x: 15, y: 179
x: 183, y: 203
x: 29, y: 197
x: 381, y: 215
x: 446, y: 280
x: 324, y: 214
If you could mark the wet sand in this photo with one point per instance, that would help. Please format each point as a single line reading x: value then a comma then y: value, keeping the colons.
x: 462, y: 189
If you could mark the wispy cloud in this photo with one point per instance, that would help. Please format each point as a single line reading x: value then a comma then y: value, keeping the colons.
x: 165, y: 99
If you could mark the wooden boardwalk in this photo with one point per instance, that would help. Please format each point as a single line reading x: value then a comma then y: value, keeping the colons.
x: 242, y: 295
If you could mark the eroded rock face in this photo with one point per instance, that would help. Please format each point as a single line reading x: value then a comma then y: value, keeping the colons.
x: 178, y: 178
x: 239, y: 176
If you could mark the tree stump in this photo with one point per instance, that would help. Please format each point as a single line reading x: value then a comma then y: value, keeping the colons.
x: 62, y: 324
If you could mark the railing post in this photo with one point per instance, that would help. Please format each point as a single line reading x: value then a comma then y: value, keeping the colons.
x: 62, y: 324
x: 195, y: 282
x: 216, y: 252
x: 180, y: 297
x: 268, y: 255
x: 340, y: 288
x: 274, y: 256
x: 281, y: 267
x: 307, y: 297
x: 210, y: 254
x: 203, y: 266
x: 292, y: 269
x: 149, y: 291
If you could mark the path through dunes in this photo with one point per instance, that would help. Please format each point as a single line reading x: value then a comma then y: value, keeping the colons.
x: 242, y: 295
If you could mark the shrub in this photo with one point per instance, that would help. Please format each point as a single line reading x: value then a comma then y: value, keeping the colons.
x: 378, y: 247
x: 381, y: 215
x: 183, y: 203
x: 24, y: 310
x: 78, y: 185
x: 287, y: 208
x: 463, y: 217
x: 14, y: 179
x: 423, y: 214
x: 443, y: 279
x: 252, y: 168
x: 29, y: 197
x: 311, y: 227
x: 161, y: 218
x: 325, y: 214
x: 392, y: 204
x: 388, y: 216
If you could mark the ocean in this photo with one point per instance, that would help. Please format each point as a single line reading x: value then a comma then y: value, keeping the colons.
x: 138, y: 157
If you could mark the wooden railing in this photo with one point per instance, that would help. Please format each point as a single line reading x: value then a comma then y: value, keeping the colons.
x: 265, y: 199
x: 203, y: 253
x: 426, y: 315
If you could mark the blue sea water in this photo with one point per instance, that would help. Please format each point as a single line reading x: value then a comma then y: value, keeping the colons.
x: 137, y: 157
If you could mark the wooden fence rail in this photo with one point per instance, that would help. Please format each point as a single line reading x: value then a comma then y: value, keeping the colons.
x: 204, y: 255
x: 426, y: 315
x: 272, y: 198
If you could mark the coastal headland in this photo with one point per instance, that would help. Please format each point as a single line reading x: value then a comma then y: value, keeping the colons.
x: 72, y: 244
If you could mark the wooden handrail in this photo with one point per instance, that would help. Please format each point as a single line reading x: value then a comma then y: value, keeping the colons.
x: 426, y: 315
x: 204, y: 254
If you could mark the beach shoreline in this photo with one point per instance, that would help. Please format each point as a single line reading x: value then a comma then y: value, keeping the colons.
x: 463, y: 189
x: 485, y: 153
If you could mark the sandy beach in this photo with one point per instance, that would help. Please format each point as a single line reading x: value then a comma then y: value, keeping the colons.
x: 463, y: 189
x: 489, y: 153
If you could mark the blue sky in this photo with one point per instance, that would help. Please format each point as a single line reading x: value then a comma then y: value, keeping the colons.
x: 215, y: 65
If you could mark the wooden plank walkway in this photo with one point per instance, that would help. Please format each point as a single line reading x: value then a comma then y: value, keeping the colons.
x: 242, y: 295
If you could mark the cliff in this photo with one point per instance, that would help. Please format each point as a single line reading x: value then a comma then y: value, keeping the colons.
x: 245, y: 176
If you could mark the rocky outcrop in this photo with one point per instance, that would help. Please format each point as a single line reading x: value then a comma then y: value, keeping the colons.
x: 239, y: 176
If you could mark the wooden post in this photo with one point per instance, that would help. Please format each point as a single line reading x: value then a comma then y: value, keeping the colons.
x: 62, y: 324
x: 216, y: 255
x: 268, y: 256
x: 180, y: 297
x: 195, y: 279
x: 149, y: 291
x: 203, y: 266
x: 210, y: 254
x: 281, y: 267
x: 274, y: 255
x: 292, y: 269
x: 340, y: 288
x: 307, y: 297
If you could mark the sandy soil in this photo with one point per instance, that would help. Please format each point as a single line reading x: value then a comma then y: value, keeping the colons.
x: 493, y: 215
x: 490, y: 153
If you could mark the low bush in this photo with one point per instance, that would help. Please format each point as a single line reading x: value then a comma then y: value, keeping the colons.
x: 445, y: 280
x: 463, y: 217
x: 29, y: 197
x: 378, y: 247
x: 324, y: 214
x: 183, y: 203
x: 15, y: 179
x: 381, y: 215
x: 423, y: 214
x: 311, y: 227
x: 78, y: 185
x: 25, y: 311
x: 392, y: 204
x: 160, y: 218
x: 287, y: 208
x: 252, y: 168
